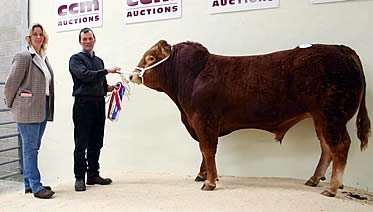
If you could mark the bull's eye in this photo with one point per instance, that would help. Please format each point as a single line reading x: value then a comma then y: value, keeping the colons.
x: 150, y: 59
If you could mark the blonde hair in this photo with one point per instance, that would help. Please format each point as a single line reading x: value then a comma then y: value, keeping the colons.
x: 31, y: 29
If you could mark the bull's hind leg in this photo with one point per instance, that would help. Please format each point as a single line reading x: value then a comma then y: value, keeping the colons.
x: 322, y: 166
x: 325, y: 159
x: 338, y: 141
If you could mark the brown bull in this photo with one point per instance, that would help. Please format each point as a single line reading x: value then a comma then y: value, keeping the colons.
x: 217, y: 95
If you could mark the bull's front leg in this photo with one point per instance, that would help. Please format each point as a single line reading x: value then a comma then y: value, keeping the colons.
x: 207, y: 133
x: 208, y: 151
x: 202, y: 175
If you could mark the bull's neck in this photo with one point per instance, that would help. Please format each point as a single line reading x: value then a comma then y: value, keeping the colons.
x: 175, y: 83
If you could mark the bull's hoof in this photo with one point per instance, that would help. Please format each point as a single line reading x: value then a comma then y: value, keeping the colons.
x: 323, y: 178
x: 208, y: 187
x: 311, y: 183
x: 341, y: 186
x: 328, y: 193
x: 200, y: 178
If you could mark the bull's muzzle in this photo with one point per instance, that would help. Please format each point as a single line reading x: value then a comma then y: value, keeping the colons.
x: 134, y: 77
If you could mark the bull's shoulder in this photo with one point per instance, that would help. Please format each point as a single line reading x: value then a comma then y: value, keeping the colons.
x: 206, y: 87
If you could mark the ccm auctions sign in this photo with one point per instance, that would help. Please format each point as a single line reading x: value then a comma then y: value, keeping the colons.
x: 324, y: 1
x: 222, y: 6
x: 77, y: 14
x: 150, y: 10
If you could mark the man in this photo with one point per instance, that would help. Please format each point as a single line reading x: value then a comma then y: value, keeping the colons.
x: 90, y: 87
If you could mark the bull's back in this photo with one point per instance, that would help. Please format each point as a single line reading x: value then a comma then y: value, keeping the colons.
x: 271, y: 90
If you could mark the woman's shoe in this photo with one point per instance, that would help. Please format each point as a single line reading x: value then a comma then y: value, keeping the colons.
x: 44, y: 194
x: 29, y: 190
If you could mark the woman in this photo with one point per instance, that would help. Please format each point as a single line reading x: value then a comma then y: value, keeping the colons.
x: 29, y: 92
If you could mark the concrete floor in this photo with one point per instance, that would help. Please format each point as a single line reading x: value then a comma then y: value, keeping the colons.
x: 166, y: 192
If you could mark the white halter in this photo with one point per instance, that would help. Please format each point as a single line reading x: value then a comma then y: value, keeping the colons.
x: 142, y: 70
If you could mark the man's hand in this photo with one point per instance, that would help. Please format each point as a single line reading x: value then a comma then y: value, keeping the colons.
x: 110, y: 88
x: 114, y: 69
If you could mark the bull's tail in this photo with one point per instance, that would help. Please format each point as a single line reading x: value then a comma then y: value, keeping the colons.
x: 363, y: 124
x: 362, y: 119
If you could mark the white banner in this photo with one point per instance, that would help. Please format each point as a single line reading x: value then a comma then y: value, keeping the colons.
x: 222, y: 6
x: 150, y: 10
x: 324, y: 1
x: 77, y: 14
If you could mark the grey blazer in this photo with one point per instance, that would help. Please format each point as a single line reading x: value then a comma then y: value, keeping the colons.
x: 25, y: 75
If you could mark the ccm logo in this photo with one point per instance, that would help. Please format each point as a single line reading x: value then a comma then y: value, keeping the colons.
x: 80, y: 7
x: 136, y: 2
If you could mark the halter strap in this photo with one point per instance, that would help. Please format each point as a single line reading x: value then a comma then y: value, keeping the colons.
x: 142, y: 70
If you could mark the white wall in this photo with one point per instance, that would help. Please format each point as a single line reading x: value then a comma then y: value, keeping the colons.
x: 150, y: 136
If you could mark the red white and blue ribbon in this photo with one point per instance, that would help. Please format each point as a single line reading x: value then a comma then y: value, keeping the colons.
x: 116, y: 100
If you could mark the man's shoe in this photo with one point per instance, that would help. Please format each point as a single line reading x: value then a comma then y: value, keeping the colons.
x: 98, y: 180
x: 44, y: 194
x: 79, y: 185
x: 29, y: 190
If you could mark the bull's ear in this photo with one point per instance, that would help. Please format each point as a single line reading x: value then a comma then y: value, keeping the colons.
x: 165, y: 48
x: 163, y: 43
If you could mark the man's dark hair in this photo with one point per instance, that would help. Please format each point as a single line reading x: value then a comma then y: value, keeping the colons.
x: 85, y: 30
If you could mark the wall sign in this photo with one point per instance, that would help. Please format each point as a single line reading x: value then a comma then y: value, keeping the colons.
x: 222, y: 6
x: 77, y: 14
x: 324, y: 1
x: 151, y: 10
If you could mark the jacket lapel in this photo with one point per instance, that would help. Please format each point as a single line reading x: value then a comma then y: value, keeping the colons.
x: 49, y: 67
x: 35, y: 63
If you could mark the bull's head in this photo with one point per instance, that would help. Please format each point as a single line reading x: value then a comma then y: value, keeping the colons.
x: 146, y: 70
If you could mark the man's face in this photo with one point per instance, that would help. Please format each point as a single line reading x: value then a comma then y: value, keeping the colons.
x: 87, y: 41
